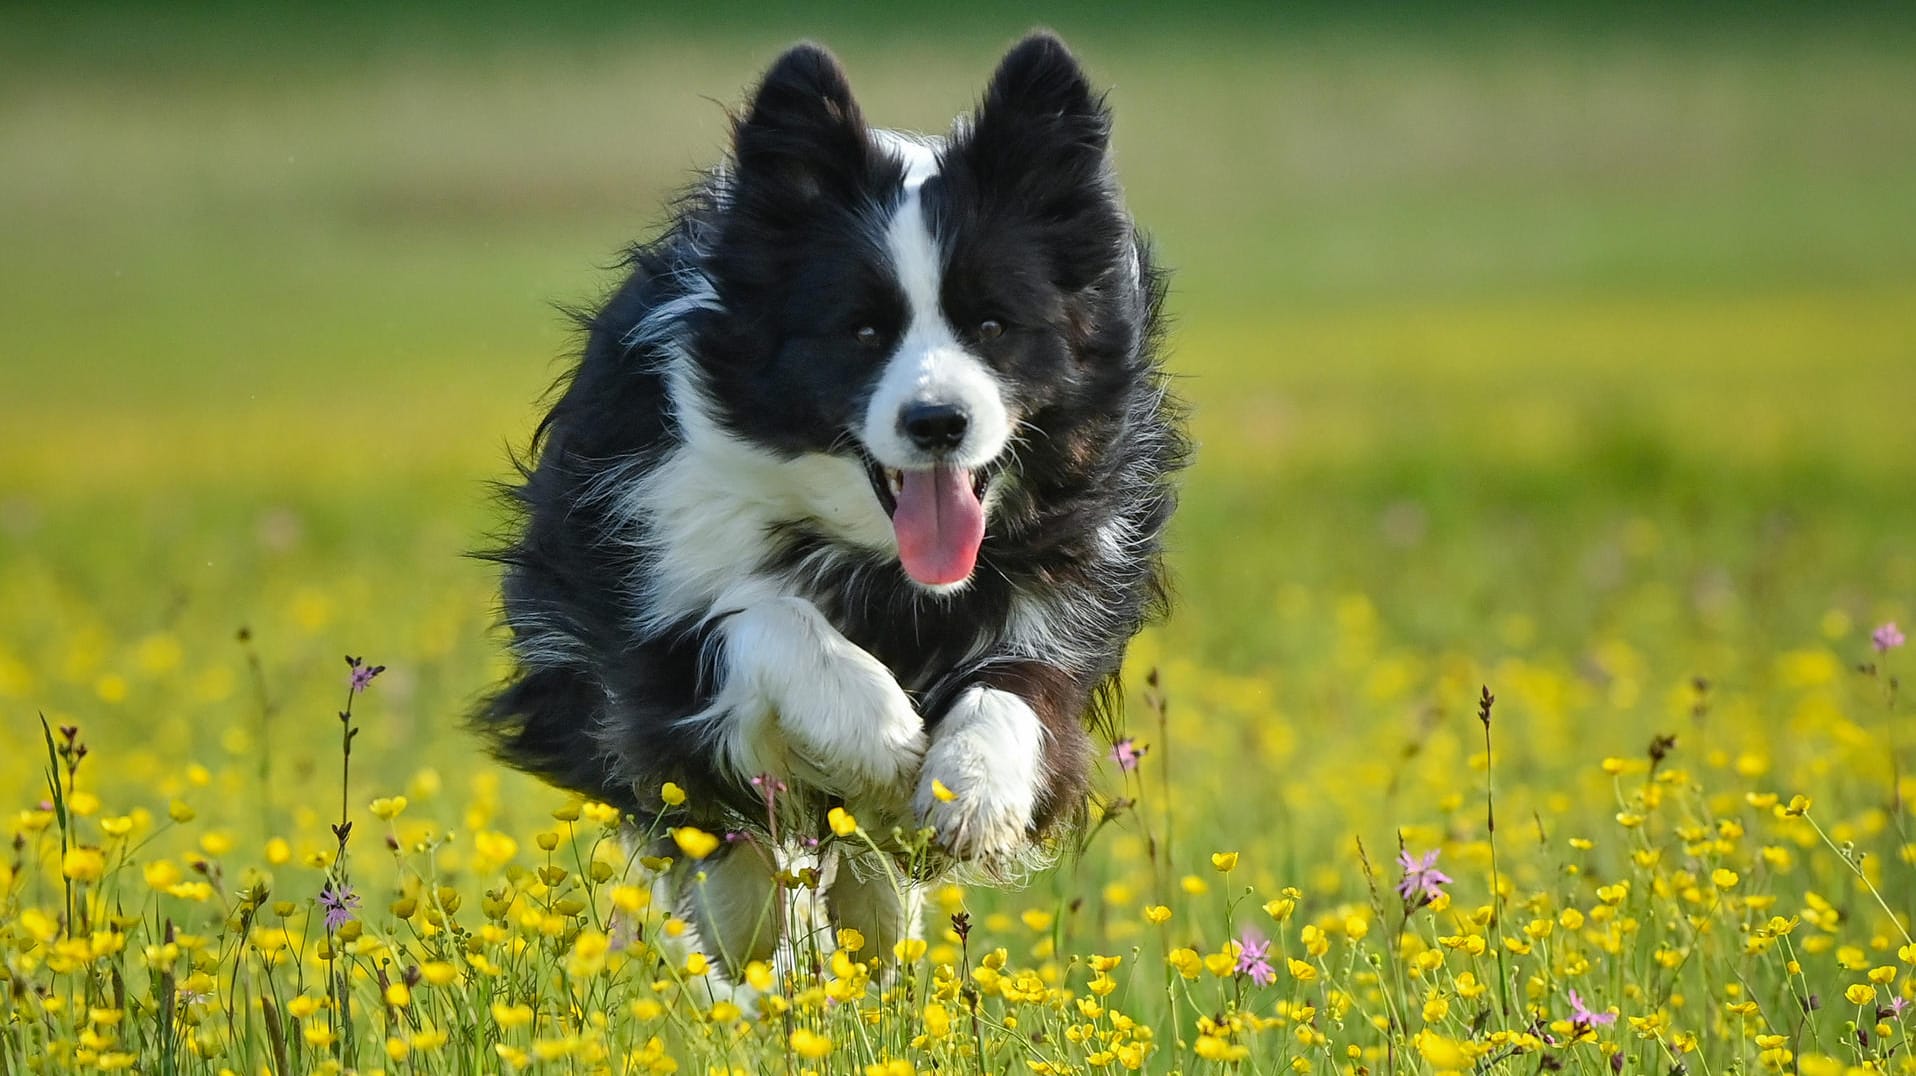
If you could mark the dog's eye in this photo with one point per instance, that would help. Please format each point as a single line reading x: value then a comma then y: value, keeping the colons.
x: 990, y: 329
x: 867, y: 336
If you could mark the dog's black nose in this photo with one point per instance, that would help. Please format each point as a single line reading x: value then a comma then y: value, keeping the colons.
x: 934, y: 427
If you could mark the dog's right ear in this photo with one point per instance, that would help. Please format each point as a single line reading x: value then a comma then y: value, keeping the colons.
x: 804, y: 134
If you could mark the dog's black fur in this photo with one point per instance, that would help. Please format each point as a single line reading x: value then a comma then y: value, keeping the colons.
x: 753, y: 285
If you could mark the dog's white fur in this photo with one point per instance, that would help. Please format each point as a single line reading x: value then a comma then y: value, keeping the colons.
x: 987, y: 754
x: 798, y: 700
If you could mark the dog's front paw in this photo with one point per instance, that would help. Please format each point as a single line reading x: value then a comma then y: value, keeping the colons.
x: 980, y: 782
x: 852, y: 726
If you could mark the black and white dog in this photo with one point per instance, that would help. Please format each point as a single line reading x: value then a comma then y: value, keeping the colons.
x: 860, y: 486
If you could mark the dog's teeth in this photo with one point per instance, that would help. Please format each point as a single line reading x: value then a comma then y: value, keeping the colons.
x: 896, y: 480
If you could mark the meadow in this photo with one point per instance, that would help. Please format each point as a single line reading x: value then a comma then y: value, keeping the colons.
x: 1568, y: 363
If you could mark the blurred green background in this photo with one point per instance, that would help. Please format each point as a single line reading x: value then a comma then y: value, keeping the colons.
x: 1489, y: 318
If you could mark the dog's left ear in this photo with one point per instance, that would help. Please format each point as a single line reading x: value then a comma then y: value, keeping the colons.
x: 1042, y: 134
x: 1040, y: 146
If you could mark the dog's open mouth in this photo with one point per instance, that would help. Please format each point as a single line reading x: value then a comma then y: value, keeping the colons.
x: 938, y: 515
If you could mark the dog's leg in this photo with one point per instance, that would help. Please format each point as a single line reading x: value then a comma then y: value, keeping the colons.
x: 1010, y: 754
x: 727, y: 909
x: 799, y: 699
x: 733, y: 903
x: 870, y: 895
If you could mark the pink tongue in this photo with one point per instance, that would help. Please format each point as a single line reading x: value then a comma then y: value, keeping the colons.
x: 940, y: 525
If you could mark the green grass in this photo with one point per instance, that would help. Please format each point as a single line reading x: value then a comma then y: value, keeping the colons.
x: 1573, y: 359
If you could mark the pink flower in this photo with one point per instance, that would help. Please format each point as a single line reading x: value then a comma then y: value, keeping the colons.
x: 339, y: 903
x: 1126, y: 753
x: 1887, y: 638
x: 363, y: 673
x: 1422, y: 880
x: 1253, y: 958
x: 1581, y: 1015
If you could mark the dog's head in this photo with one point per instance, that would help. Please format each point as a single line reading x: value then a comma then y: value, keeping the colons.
x: 941, y: 313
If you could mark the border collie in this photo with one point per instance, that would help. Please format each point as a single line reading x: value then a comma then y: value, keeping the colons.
x: 855, y: 497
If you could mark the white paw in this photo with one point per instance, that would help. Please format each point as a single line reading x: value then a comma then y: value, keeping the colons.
x: 987, y: 758
x: 831, y: 713
x: 850, y: 723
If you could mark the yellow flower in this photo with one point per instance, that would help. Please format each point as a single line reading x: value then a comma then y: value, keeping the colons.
x: 388, y: 807
x: 1157, y: 913
x: 1302, y: 971
x: 1225, y: 862
x: 696, y: 964
x: 694, y: 842
x: 1194, y: 885
x: 438, y: 972
x: 83, y: 864
x: 511, y: 1016
x: 161, y: 874
x: 842, y: 822
x: 1442, y: 1053
x: 1724, y: 879
x: 671, y: 794
x: 909, y: 950
x: 943, y: 794
x: 1186, y: 961
x: 810, y: 1045
x: 630, y: 899
x: 1861, y: 994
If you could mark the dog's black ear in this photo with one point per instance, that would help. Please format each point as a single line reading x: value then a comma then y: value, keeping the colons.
x: 1042, y: 136
x: 1039, y: 148
x: 803, y: 134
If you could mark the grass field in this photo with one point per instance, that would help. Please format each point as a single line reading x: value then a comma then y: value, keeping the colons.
x: 1576, y: 361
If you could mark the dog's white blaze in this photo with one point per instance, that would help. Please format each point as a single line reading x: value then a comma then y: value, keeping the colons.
x: 989, y: 752
x: 930, y: 365
x: 800, y: 700
x: 918, y: 153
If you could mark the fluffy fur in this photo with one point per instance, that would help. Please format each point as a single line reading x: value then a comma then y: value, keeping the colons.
x: 704, y: 582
